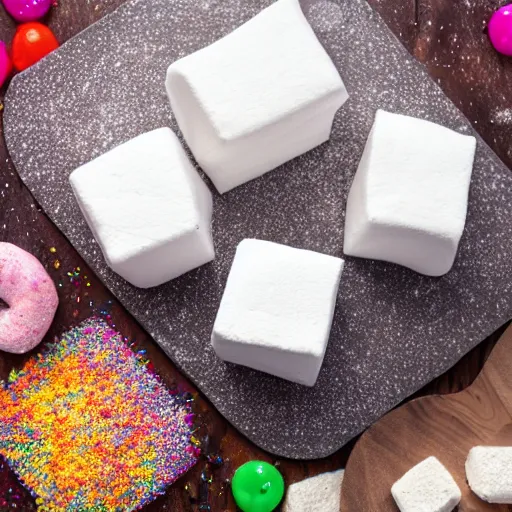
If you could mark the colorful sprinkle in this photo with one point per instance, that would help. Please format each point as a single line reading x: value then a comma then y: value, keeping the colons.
x: 215, y: 460
x: 86, y: 426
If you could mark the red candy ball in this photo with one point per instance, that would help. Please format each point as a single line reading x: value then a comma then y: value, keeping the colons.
x: 32, y: 41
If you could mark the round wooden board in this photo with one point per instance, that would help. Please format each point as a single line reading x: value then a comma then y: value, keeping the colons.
x: 444, y: 426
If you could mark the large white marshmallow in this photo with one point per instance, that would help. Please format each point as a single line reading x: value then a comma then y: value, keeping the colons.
x: 256, y: 98
x: 320, y: 493
x: 427, y: 487
x: 277, y: 310
x: 489, y: 473
x: 408, y: 201
x: 148, y: 208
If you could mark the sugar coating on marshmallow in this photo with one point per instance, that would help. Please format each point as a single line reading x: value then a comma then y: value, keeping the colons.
x: 256, y: 98
x: 489, y: 473
x: 277, y: 310
x: 320, y: 493
x: 408, y: 201
x: 148, y: 209
x: 427, y: 487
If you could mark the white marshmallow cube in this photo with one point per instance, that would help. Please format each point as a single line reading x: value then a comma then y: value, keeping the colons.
x: 148, y: 209
x: 427, y: 487
x: 320, y: 493
x: 489, y: 473
x: 409, y: 198
x: 256, y: 98
x: 277, y: 310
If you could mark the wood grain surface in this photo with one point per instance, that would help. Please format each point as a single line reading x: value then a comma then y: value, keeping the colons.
x: 446, y: 427
x: 447, y: 35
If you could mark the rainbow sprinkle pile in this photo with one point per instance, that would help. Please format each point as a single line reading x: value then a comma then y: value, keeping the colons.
x: 86, y: 426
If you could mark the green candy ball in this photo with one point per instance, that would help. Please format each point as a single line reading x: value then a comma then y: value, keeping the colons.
x: 257, y: 487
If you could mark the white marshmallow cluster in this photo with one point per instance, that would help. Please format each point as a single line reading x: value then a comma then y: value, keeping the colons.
x: 249, y: 102
x: 429, y: 487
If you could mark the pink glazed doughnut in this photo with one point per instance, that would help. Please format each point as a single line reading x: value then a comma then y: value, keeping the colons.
x: 31, y: 296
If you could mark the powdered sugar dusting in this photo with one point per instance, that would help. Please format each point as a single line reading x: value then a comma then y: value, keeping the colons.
x: 502, y: 116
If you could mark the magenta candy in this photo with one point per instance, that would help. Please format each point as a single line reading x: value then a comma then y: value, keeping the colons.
x: 27, y: 10
x: 500, y: 30
x: 5, y: 63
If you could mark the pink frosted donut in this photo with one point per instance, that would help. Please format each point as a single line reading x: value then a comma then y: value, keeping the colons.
x: 31, y: 296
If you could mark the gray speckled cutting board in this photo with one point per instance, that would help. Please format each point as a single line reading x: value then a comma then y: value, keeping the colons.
x: 394, y: 330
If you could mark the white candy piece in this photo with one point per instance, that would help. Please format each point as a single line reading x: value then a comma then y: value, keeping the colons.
x: 256, y: 98
x: 409, y: 198
x: 427, y: 487
x: 277, y: 310
x: 320, y: 493
x: 489, y: 473
x: 148, y: 209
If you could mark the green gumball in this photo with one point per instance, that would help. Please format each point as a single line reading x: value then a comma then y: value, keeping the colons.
x: 257, y: 487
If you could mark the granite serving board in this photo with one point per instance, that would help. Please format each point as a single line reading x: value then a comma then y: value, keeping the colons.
x: 394, y: 330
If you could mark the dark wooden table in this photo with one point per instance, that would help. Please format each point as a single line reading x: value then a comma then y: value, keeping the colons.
x: 448, y: 36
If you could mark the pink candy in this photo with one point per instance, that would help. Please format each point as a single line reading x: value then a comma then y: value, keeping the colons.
x: 31, y: 296
x: 5, y: 63
x: 500, y: 30
x: 27, y: 10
